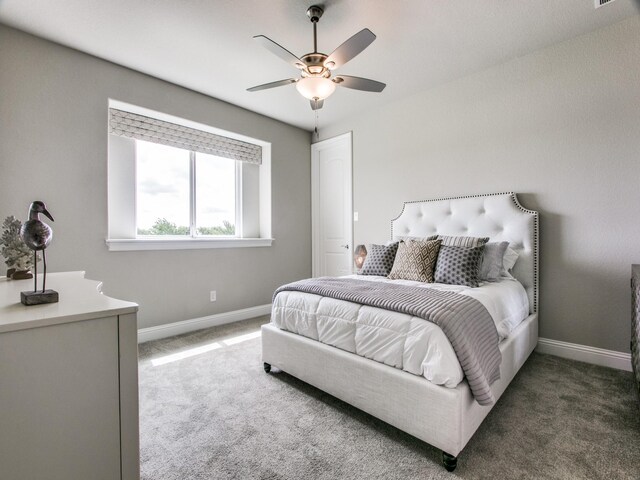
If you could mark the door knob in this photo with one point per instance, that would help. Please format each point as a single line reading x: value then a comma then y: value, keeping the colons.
x: 345, y: 246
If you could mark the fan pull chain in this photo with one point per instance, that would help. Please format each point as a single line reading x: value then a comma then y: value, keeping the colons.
x: 315, y: 130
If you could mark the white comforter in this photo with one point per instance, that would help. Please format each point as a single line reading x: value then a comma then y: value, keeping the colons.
x: 402, y: 341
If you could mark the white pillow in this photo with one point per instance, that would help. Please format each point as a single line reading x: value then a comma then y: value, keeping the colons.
x: 508, y: 261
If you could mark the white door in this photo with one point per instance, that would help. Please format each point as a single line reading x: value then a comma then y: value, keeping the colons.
x: 331, y: 205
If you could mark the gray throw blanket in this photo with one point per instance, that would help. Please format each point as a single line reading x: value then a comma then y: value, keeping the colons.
x: 464, y: 320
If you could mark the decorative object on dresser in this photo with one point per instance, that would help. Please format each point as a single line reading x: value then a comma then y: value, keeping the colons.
x: 365, y: 352
x: 16, y: 253
x: 37, y: 236
x: 69, y: 376
x: 635, y: 323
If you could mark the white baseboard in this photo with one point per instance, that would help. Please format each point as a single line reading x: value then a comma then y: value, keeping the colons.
x: 584, y: 353
x: 185, y: 326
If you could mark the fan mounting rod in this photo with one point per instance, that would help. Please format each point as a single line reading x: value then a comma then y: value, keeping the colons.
x: 314, y: 12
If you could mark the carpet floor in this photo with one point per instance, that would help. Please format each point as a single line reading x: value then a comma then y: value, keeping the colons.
x: 215, y: 414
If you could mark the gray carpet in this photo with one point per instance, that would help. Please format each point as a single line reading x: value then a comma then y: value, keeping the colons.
x: 217, y: 415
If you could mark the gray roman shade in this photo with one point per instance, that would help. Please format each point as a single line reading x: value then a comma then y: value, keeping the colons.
x: 140, y: 127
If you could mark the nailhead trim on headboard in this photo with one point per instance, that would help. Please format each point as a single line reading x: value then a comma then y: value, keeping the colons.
x: 520, y: 207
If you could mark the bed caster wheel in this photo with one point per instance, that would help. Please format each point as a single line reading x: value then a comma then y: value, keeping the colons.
x: 449, y: 461
x: 267, y: 367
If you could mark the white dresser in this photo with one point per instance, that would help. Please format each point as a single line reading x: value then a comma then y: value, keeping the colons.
x: 68, y: 383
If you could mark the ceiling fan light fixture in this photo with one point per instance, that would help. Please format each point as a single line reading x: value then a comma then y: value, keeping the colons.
x: 316, y: 68
x: 315, y: 87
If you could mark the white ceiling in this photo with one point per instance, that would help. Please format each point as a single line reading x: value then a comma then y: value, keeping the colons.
x: 207, y: 46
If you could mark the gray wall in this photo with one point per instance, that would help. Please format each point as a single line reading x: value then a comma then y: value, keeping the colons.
x: 53, y: 147
x: 561, y: 126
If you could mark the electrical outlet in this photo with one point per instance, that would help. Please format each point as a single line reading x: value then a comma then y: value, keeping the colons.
x: 212, y: 295
x: 355, y: 216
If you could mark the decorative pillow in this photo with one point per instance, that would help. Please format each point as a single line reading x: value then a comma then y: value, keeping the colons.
x: 379, y: 259
x: 415, y: 260
x: 451, y: 241
x: 508, y: 261
x: 459, y: 265
x: 492, y: 264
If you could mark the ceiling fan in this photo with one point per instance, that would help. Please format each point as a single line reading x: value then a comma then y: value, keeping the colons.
x: 316, y: 82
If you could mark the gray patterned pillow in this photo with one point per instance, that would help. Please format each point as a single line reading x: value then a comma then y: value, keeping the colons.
x: 451, y: 241
x: 379, y: 260
x: 492, y: 263
x: 459, y: 265
x: 415, y: 260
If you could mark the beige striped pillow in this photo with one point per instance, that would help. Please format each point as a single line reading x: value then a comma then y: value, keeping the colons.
x: 454, y: 241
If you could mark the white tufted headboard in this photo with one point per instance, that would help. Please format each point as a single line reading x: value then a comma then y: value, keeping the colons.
x: 498, y: 216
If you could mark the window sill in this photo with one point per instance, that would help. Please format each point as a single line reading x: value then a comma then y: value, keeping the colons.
x: 128, y: 244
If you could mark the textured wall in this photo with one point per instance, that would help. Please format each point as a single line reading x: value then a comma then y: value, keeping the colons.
x: 53, y: 147
x: 560, y: 126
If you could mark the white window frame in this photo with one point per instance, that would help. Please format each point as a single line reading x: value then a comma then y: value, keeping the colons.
x: 122, y: 235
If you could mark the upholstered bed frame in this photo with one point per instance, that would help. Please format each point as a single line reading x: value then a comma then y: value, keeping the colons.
x: 444, y: 417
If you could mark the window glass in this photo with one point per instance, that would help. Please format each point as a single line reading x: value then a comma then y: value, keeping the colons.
x: 162, y: 190
x: 215, y: 195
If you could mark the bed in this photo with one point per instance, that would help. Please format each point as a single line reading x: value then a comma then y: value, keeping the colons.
x: 445, y: 416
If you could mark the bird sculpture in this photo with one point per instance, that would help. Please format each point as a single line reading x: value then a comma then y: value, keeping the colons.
x: 37, y: 236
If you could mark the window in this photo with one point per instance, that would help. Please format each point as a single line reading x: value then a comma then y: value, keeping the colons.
x: 177, y: 184
x: 215, y: 199
x: 163, y: 196
x: 185, y: 193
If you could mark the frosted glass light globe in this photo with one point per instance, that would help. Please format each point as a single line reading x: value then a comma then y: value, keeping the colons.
x: 315, y: 87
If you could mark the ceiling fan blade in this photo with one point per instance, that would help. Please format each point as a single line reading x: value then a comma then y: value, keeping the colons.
x: 350, y: 49
x: 280, y: 51
x: 358, y: 83
x: 316, y: 104
x: 279, y: 83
